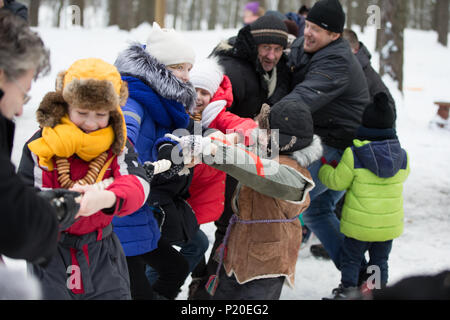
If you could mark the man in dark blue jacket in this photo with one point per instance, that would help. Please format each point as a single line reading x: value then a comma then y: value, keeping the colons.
x: 328, y: 78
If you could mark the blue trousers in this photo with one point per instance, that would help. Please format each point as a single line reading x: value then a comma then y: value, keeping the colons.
x: 320, y: 217
x: 193, y: 251
x: 352, y: 255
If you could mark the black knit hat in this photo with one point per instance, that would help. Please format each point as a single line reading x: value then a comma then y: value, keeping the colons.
x: 378, y: 114
x: 269, y: 30
x: 328, y: 14
x: 294, y: 123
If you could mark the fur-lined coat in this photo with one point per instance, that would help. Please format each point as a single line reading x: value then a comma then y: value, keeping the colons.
x: 156, y: 105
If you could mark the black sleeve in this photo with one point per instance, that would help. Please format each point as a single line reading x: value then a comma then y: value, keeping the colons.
x: 29, y: 227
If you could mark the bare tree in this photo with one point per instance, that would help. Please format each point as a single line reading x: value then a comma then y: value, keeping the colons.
x: 282, y: 6
x: 392, y: 52
x: 213, y: 15
x: 442, y: 21
x: 145, y: 11
x: 125, y: 14
x: 192, y: 14
x: 33, y: 12
x: 113, y: 10
x: 349, y: 6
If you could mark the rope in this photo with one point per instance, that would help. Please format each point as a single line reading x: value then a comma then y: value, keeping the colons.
x: 213, y: 281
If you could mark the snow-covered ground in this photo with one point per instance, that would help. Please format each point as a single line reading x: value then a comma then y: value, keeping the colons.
x: 424, y: 246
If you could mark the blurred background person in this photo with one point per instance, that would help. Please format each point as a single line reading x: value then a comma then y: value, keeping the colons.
x: 30, y: 221
x: 253, y: 11
x: 15, y: 7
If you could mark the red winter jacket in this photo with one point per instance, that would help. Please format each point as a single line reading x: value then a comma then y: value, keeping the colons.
x: 207, y: 190
x: 130, y: 185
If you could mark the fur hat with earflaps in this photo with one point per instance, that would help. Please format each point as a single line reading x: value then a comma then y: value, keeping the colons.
x: 91, y: 84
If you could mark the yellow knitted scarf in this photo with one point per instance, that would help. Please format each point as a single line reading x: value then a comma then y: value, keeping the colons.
x: 66, y: 139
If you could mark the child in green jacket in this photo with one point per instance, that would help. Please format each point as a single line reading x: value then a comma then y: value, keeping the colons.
x: 373, y: 172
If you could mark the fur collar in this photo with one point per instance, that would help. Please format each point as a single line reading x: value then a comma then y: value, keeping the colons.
x: 137, y: 62
x: 310, y: 154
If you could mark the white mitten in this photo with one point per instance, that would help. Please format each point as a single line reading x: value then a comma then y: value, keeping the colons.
x: 193, y: 146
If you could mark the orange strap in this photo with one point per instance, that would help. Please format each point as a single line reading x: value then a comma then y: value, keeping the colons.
x: 258, y: 162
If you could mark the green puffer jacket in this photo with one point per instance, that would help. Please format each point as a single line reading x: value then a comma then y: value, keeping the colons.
x: 373, y: 174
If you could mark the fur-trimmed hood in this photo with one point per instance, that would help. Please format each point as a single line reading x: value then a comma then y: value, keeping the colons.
x: 138, y: 63
x: 310, y: 154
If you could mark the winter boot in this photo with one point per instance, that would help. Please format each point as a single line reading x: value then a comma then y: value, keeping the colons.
x: 342, y: 293
x: 193, y: 287
x: 318, y: 251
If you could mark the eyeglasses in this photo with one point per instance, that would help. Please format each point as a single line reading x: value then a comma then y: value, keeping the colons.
x: 26, y: 96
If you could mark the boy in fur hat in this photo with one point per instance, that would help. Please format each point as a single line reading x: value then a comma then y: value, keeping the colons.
x: 261, y: 246
x: 373, y: 172
x: 82, y: 142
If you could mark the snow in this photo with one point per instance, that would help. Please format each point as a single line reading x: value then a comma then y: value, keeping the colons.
x: 424, y: 246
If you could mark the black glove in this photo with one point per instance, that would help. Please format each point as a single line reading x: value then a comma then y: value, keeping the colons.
x: 65, y: 205
x: 149, y: 170
x: 165, y: 153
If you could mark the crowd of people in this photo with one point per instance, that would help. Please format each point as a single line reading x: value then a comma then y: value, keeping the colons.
x: 132, y: 158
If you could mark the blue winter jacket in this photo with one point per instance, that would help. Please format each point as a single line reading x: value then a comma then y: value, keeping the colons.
x: 148, y: 116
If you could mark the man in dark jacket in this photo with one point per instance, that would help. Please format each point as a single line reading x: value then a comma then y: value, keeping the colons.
x: 29, y: 222
x: 374, y: 81
x: 328, y: 78
x: 15, y: 7
x: 375, y: 85
x: 256, y: 65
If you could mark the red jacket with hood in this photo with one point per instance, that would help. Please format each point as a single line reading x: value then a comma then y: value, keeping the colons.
x: 207, y: 190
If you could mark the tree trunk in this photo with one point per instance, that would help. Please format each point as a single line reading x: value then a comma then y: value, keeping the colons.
x: 362, y: 14
x: 33, y: 13
x: 237, y: 13
x: 113, y: 9
x: 145, y: 11
x: 391, y: 55
x: 213, y: 15
x: 175, y: 13
x: 160, y: 10
x: 200, y: 15
x: 442, y: 25
x: 349, y: 14
x: 192, y: 11
x: 125, y: 14
x: 281, y: 6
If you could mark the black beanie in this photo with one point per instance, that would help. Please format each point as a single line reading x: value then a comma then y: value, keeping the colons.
x: 378, y: 114
x: 269, y: 30
x: 294, y: 121
x: 328, y: 14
